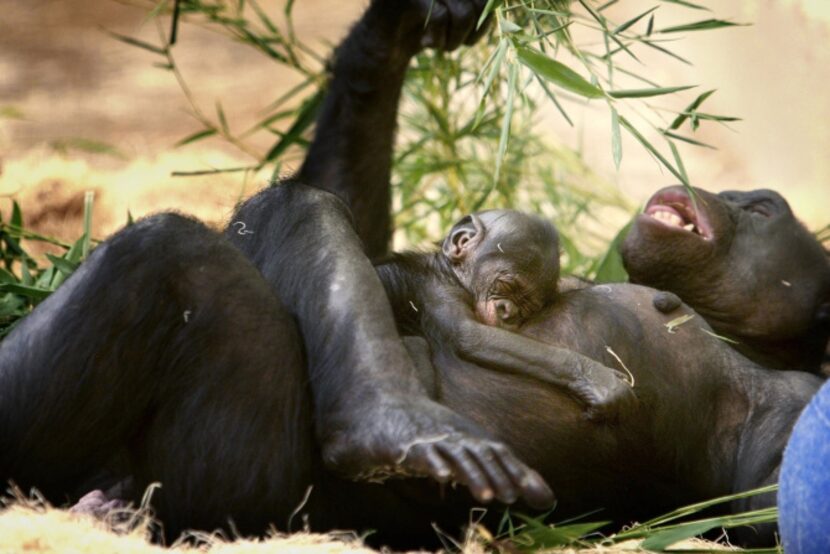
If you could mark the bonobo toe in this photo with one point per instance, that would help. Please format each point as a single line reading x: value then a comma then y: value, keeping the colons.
x: 429, y: 440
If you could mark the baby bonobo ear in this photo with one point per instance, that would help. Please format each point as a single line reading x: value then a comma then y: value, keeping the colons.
x: 464, y: 238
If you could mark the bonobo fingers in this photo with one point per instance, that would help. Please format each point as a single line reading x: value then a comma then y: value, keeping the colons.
x: 406, y: 437
x: 451, y: 22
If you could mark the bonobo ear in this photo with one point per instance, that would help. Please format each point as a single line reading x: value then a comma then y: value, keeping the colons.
x: 464, y: 238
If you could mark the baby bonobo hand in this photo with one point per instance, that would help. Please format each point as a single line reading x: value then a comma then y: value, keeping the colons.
x: 416, y: 437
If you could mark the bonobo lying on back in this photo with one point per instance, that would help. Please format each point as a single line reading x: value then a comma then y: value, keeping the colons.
x: 745, y: 263
x: 495, y: 270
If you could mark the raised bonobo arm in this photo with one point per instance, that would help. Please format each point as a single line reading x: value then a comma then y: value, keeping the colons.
x: 373, y: 417
x: 351, y: 154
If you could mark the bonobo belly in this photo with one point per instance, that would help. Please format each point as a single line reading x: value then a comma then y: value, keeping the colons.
x: 654, y: 456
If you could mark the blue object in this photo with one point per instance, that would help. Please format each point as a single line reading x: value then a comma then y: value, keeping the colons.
x: 804, y: 483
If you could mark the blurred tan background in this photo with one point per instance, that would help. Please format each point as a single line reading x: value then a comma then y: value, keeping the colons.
x: 62, y: 77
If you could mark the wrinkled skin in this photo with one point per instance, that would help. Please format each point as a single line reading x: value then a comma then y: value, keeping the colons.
x: 241, y: 370
x: 748, y: 266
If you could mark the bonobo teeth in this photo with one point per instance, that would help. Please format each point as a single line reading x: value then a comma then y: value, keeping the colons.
x: 668, y: 218
x: 689, y: 227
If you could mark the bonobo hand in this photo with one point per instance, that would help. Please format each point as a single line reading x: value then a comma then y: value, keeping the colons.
x: 451, y: 22
x: 418, y: 437
x: 606, y: 392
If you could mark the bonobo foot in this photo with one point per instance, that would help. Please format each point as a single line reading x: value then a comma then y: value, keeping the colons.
x: 419, y: 438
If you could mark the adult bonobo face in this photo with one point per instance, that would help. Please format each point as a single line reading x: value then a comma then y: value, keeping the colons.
x: 508, y: 261
x: 741, y: 259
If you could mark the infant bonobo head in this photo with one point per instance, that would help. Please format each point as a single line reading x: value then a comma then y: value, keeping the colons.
x: 508, y: 261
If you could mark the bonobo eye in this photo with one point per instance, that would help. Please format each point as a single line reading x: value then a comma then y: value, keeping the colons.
x: 763, y: 208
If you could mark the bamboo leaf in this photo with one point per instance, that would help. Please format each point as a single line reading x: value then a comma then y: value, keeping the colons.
x: 633, y: 21
x: 687, y: 139
x: 616, y: 141
x: 689, y: 109
x: 610, y: 268
x: 24, y: 290
x: 647, y: 92
x: 199, y: 135
x: 488, y: 9
x: 648, y: 146
x: 704, y: 25
x: 506, y: 120
x: 64, y: 266
x: 139, y: 43
x: 306, y: 115
x: 223, y: 121
x: 687, y: 4
x: 557, y: 73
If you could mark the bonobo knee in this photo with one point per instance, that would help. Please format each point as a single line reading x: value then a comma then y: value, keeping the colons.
x: 288, y: 198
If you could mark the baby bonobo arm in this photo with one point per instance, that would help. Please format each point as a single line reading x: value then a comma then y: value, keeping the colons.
x: 601, y: 389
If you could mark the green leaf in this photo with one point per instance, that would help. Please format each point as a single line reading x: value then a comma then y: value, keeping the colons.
x: 661, y: 540
x: 687, y: 139
x: 687, y: 4
x: 64, y: 266
x: 633, y: 21
x: 306, y: 115
x: 610, y: 268
x: 139, y: 43
x: 223, y: 121
x: 557, y: 73
x: 17, y: 215
x: 508, y: 27
x: 90, y: 146
x: 89, y: 198
x: 488, y: 9
x: 506, y: 120
x: 647, y: 92
x: 7, y: 276
x: 648, y: 146
x: 690, y: 109
x: 24, y: 290
x: 704, y: 25
x: 616, y: 141
x: 199, y: 135
x: 679, y: 161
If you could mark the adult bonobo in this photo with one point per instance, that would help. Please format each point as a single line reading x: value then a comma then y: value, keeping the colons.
x: 743, y: 262
x: 371, y: 414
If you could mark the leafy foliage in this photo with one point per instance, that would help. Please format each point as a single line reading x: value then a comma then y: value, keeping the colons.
x: 468, y: 135
x: 24, y: 283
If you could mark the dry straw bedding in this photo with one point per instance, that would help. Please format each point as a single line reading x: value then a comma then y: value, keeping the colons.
x: 32, y: 529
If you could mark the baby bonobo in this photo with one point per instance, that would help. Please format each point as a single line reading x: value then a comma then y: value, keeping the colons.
x: 496, y: 270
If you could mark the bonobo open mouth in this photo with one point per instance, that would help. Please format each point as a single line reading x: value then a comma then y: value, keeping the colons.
x: 673, y: 208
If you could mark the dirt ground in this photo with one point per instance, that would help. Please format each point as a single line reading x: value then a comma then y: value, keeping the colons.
x: 69, y: 79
